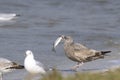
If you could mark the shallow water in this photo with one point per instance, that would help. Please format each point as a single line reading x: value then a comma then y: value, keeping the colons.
x: 94, y: 23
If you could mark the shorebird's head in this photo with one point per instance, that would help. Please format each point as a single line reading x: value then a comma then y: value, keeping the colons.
x: 62, y: 38
x: 29, y: 53
x: 66, y: 39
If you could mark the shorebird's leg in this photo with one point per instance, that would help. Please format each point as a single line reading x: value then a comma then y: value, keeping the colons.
x: 80, y: 64
x: 77, y: 66
x: 1, y: 76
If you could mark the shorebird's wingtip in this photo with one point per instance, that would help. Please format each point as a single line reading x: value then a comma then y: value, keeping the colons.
x: 16, y: 67
x: 21, y: 67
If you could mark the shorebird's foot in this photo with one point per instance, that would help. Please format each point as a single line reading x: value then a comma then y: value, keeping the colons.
x: 80, y: 64
x: 74, y: 68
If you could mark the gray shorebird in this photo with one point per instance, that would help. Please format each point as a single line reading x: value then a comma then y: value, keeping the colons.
x: 7, y: 66
x: 78, y: 52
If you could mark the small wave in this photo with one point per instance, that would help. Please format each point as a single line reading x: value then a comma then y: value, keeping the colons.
x: 114, y: 61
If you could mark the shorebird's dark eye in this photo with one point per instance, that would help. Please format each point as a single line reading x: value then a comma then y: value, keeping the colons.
x: 62, y: 36
x: 65, y: 37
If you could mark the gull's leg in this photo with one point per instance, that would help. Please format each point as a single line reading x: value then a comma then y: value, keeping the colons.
x: 77, y: 66
x: 29, y: 76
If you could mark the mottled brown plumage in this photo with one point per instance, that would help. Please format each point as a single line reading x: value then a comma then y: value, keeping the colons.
x: 7, y: 66
x: 78, y: 52
x: 15, y: 66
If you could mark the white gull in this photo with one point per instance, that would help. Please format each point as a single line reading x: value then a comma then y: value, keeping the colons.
x: 33, y: 66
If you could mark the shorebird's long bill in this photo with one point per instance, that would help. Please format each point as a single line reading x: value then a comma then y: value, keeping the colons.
x: 58, y: 40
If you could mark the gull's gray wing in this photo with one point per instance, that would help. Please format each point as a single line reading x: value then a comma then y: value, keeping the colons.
x: 42, y: 65
x: 39, y: 64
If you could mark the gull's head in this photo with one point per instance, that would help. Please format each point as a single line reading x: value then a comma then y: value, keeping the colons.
x: 29, y: 53
x: 63, y: 38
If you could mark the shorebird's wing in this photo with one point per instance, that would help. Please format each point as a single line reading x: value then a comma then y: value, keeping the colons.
x: 4, y: 60
x: 82, y: 51
x: 5, y: 63
x: 78, y: 46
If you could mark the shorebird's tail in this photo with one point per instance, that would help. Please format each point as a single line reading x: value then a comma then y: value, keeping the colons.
x: 104, y: 52
x: 15, y: 66
x: 19, y: 67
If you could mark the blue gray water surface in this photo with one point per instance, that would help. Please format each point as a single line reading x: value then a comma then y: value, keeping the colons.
x: 94, y: 23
